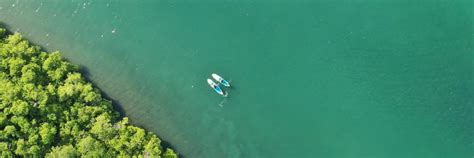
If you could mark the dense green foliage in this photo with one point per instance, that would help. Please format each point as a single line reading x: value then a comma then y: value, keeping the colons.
x: 47, y: 109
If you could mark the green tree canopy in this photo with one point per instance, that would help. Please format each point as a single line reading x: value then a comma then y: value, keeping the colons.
x: 47, y: 109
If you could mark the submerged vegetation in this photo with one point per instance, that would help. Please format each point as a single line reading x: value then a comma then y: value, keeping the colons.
x: 47, y: 109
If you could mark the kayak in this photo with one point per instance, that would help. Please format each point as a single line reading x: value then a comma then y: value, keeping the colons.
x: 216, y: 87
x: 221, y: 80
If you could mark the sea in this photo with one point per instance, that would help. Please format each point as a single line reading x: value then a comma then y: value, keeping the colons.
x: 310, y: 78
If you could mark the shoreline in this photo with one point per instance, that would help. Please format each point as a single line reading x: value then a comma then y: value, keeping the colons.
x: 85, y: 72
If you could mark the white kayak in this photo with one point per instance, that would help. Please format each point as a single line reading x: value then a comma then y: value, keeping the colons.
x: 221, y: 80
x: 216, y: 87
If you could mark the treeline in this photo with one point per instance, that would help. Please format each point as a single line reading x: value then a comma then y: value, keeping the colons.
x: 47, y: 109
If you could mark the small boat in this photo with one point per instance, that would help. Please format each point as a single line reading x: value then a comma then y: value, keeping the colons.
x: 216, y: 87
x: 221, y: 80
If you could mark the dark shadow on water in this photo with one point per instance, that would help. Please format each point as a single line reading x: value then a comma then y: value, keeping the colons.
x: 115, y: 103
x: 166, y: 144
x: 6, y: 26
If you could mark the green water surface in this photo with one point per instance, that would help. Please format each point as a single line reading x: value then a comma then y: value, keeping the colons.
x: 312, y: 78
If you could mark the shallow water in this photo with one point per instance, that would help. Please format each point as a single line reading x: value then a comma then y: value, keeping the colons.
x: 311, y: 78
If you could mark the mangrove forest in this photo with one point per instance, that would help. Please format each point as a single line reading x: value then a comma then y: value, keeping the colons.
x: 48, y: 109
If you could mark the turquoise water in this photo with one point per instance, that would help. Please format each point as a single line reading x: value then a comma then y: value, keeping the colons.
x: 314, y: 78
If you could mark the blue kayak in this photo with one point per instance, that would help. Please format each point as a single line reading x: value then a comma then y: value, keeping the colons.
x: 216, y: 87
x: 221, y: 80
